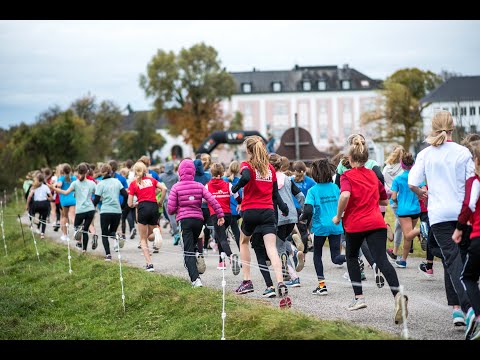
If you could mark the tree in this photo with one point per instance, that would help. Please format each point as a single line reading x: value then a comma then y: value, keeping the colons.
x: 85, y: 108
x: 237, y: 122
x: 398, y: 111
x: 188, y: 89
x: 142, y: 140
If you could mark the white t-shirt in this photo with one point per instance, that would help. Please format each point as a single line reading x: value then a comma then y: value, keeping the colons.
x: 445, y: 169
x: 41, y: 193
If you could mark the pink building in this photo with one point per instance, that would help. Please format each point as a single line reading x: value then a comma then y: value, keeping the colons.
x: 328, y: 100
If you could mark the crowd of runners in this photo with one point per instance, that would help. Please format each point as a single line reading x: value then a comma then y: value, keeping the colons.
x: 284, y: 210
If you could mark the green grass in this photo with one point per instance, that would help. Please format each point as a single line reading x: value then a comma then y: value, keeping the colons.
x: 41, y: 300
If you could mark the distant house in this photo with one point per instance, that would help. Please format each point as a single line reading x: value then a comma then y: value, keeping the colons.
x: 461, y: 96
x: 175, y: 146
x: 328, y: 100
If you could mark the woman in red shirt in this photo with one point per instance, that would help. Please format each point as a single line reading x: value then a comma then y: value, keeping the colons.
x: 361, y: 193
x: 144, y: 188
x: 260, y: 190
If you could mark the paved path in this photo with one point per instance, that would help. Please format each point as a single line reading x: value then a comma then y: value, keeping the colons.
x: 429, y: 316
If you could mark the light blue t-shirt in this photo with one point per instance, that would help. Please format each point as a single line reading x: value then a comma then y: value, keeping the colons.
x: 408, y: 203
x: 109, y: 189
x: 67, y: 200
x: 83, y: 195
x: 324, y: 199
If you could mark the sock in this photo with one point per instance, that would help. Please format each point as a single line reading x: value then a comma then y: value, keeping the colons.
x: 429, y: 266
x: 321, y: 283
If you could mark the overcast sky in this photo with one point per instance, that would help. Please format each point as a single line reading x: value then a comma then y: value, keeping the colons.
x: 43, y: 63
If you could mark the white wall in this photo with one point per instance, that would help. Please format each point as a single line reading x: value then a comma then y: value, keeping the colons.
x: 466, y: 120
x: 293, y: 98
x: 166, y: 150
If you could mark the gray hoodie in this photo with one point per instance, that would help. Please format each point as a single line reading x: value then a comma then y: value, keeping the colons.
x: 389, y: 173
x: 285, y: 190
x: 169, y: 177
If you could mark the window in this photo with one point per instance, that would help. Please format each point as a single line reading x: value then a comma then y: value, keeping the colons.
x: 346, y: 84
x: 277, y: 86
x: 347, y: 131
x: 322, y: 85
x: 472, y: 110
x: 454, y: 111
x: 365, y: 83
x: 307, y: 86
x: 445, y: 108
x: 463, y: 111
x: 473, y: 129
x: 247, y: 87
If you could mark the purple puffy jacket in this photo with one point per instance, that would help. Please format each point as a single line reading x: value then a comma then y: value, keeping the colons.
x: 186, y: 196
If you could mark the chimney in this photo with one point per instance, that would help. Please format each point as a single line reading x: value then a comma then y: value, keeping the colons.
x: 254, y: 69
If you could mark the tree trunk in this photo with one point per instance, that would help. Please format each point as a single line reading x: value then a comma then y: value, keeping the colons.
x: 407, y: 139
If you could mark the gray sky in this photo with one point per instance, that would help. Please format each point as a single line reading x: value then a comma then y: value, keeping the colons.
x: 43, y: 63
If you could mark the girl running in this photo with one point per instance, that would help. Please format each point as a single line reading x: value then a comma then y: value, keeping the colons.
x: 41, y: 195
x: 84, y: 209
x: 67, y: 202
x: 392, y: 169
x: 321, y: 203
x: 185, y: 200
x: 408, y: 207
x: 361, y: 193
x: 221, y: 191
x: 285, y: 224
x: 471, y: 270
x: 445, y: 166
x: 260, y: 191
x: 144, y: 188
x: 233, y: 178
x: 108, y: 190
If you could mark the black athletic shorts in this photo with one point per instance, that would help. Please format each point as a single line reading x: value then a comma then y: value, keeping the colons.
x: 259, y: 220
x: 148, y: 213
x: 414, y: 216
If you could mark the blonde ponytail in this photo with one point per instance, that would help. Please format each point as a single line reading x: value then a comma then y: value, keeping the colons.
x: 259, y: 155
x: 140, y: 171
x: 441, y: 123
x: 358, y: 150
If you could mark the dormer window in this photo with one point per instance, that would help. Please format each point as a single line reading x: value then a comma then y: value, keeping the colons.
x: 307, y: 86
x: 277, y: 86
x: 247, y: 87
x: 365, y: 83
x: 322, y: 85
x: 345, y: 84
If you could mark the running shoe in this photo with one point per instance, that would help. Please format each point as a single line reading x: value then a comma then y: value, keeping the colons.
x: 197, y: 283
x: 133, y: 232
x: 470, y: 324
x: 95, y: 241
x: 458, y: 318
x: 158, y: 238
x: 221, y: 266
x: 379, y: 278
x: 282, y: 289
x: 476, y: 330
x: 201, y: 266
x: 320, y: 290
x: 357, y: 303
x: 235, y: 264
x: 121, y: 240
x: 149, y: 268
x: 297, y: 239
x: 301, y: 261
x: 283, y: 258
x: 391, y: 255
x: 399, y: 304
x: 400, y: 263
x: 176, y: 239
x: 245, y: 287
x: 293, y: 283
x: 427, y: 272
x: 269, y: 292
x: 108, y: 257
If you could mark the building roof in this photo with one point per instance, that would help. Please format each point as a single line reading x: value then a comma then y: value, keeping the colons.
x: 458, y: 88
x: 292, y: 80
x: 128, y: 121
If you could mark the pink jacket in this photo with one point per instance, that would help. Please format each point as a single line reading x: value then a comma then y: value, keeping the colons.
x: 186, y: 196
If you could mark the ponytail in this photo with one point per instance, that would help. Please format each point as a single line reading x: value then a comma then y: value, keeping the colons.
x: 259, y: 155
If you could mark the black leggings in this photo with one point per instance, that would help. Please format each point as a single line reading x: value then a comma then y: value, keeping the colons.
x: 221, y: 235
x: 283, y: 231
x: 235, y: 229
x: 337, y: 258
x: 86, y: 218
x: 377, y: 243
x: 128, y: 214
x: 109, y: 224
x: 190, y: 230
x: 262, y: 257
x: 471, y: 273
x: 43, y: 208
x: 207, y: 221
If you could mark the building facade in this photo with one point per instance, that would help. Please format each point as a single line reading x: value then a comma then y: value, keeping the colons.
x: 328, y: 101
x: 461, y: 96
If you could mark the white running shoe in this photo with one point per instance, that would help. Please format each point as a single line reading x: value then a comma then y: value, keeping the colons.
x: 158, y: 238
x: 63, y: 238
x: 197, y: 283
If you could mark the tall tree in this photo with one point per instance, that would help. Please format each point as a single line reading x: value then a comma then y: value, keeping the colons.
x: 188, y: 89
x: 398, y: 111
